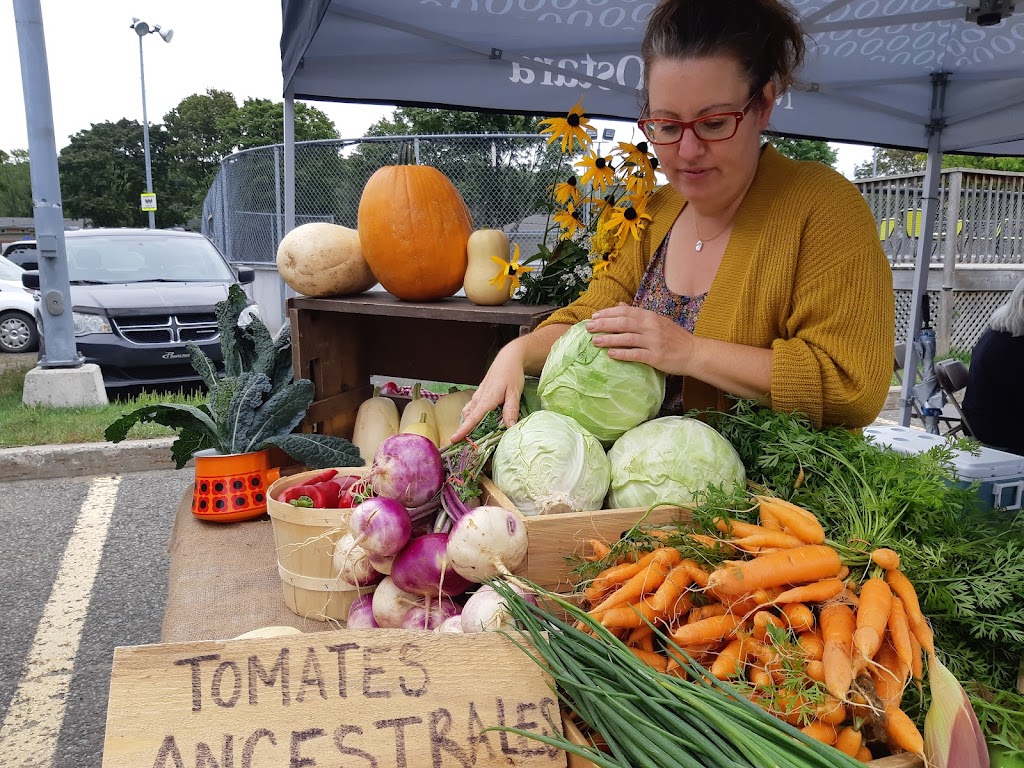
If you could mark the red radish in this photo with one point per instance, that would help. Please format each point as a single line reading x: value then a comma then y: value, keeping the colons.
x: 423, y: 568
x: 381, y: 526
x: 430, y: 613
x: 390, y: 604
x: 408, y: 468
x: 486, y: 611
x: 487, y: 542
x: 450, y: 626
x: 353, y: 563
x: 360, y: 613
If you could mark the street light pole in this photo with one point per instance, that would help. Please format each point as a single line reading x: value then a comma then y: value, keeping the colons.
x: 142, y: 29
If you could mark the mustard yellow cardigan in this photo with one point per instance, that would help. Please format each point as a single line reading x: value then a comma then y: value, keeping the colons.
x: 803, y: 274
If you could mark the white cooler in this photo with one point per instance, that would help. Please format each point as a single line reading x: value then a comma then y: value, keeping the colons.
x: 1000, y: 474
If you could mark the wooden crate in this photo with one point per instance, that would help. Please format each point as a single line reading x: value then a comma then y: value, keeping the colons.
x: 339, y: 343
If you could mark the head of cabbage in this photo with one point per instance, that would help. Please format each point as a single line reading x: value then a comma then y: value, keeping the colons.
x: 671, y: 460
x: 548, y: 463
x: 606, y: 396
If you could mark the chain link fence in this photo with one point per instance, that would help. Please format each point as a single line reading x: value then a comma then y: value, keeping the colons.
x: 504, y: 179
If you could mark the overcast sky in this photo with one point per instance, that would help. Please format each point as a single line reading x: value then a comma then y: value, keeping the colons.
x: 229, y: 45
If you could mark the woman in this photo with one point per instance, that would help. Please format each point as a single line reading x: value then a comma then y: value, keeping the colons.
x: 991, y: 402
x: 758, y: 276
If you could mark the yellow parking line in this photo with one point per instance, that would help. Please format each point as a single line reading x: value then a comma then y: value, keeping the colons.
x: 28, y: 736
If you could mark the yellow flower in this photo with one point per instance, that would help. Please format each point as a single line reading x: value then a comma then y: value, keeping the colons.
x: 509, y: 270
x: 567, y: 190
x: 602, y: 242
x: 628, y: 220
x: 569, y: 220
x: 635, y: 154
x: 569, y: 128
x: 599, y: 172
x: 601, y: 262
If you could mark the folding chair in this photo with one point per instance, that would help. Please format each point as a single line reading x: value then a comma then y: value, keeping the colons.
x: 952, y: 377
x: 952, y: 424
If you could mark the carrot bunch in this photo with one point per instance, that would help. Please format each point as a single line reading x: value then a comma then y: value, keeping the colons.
x: 784, y: 620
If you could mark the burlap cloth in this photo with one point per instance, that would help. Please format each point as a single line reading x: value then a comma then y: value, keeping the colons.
x: 223, y: 580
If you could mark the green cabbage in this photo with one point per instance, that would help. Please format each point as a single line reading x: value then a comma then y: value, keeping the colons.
x: 607, y: 397
x: 673, y: 460
x: 548, y: 463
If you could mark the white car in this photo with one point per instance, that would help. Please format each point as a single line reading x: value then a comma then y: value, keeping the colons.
x: 18, y: 330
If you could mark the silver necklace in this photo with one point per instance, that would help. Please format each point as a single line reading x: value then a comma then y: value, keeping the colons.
x: 699, y: 246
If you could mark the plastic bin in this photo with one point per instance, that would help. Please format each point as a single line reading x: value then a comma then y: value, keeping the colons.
x: 1000, y: 474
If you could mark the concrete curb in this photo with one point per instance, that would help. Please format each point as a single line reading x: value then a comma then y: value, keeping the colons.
x: 45, y: 461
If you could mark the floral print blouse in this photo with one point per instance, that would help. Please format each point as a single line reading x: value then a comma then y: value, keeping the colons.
x: 654, y: 294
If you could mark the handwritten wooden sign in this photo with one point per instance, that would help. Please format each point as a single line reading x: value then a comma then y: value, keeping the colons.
x: 365, y: 699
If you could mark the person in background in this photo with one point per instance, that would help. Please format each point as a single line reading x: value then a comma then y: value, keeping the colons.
x: 757, y: 276
x: 995, y: 378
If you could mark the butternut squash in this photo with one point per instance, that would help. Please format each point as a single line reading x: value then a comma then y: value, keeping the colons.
x: 481, y: 268
x: 423, y: 427
x: 376, y: 421
x: 418, y: 406
x: 448, y: 414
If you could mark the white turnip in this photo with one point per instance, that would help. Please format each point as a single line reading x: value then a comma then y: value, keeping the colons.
x: 450, y: 626
x: 486, y: 611
x: 390, y: 604
x: 408, y: 468
x: 430, y: 613
x: 353, y: 563
x: 487, y: 542
x: 423, y: 568
x: 381, y: 526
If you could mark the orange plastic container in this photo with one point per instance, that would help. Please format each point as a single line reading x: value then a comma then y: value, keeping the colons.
x: 233, y: 487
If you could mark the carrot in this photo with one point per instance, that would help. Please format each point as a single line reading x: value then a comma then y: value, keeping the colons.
x: 651, y: 658
x: 818, y: 592
x: 849, y: 741
x: 864, y: 754
x: 706, y: 612
x: 885, y: 558
x: 705, y: 541
x: 830, y: 710
x: 716, y: 628
x: 823, y: 732
x: 790, y: 707
x: 816, y: 670
x: 787, y: 566
x: 902, y: 587
x: 699, y: 575
x: 837, y: 627
x: 766, y: 539
x: 798, y: 617
x: 629, y: 615
x: 760, y: 677
x: 762, y: 620
x: 730, y: 660
x: 599, y: 550
x: 769, y: 520
x: 812, y: 644
x: 797, y: 520
x: 673, y: 588
x: 648, y: 579
x: 768, y: 656
x: 889, y: 674
x: 916, y: 659
x: 872, y: 618
x: 642, y: 637
x: 899, y: 631
x: 674, y: 668
x: 737, y: 527
x: 903, y: 734
x: 617, y: 574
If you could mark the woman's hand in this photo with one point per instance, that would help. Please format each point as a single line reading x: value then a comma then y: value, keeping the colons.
x: 502, y: 385
x: 640, y: 335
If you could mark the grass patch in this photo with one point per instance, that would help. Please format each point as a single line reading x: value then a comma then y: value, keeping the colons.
x: 24, y: 425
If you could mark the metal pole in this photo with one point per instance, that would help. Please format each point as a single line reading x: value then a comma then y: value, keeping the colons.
x: 922, y: 264
x: 944, y: 326
x: 55, y: 291
x: 145, y: 134
x: 289, y: 161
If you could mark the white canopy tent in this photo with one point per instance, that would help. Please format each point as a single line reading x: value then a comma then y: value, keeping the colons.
x: 931, y: 75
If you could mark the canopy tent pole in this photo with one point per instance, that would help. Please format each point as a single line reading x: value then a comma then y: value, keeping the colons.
x: 289, y: 160
x: 929, y: 214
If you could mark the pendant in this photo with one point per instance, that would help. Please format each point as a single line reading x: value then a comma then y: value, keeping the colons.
x: 700, y: 245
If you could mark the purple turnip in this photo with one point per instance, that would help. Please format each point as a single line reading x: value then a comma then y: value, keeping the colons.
x: 381, y: 526
x: 360, y: 613
x: 423, y: 568
x: 408, y: 468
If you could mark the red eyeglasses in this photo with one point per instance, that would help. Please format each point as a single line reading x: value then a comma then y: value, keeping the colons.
x: 720, y: 126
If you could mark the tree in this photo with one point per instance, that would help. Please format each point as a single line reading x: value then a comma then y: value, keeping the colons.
x: 15, y: 184
x: 985, y: 163
x: 261, y: 121
x: 806, y: 149
x: 406, y: 121
x: 890, y: 162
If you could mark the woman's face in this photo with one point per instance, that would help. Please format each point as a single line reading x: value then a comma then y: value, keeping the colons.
x: 716, y: 173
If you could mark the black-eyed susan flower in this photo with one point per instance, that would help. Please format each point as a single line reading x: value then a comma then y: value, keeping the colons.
x: 635, y: 154
x: 599, y: 172
x: 570, y: 220
x: 628, y: 220
x: 639, y: 184
x: 572, y: 127
x: 567, y: 190
x: 601, y: 261
x: 509, y: 270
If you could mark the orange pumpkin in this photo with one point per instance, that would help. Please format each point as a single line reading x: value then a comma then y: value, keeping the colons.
x: 414, y: 227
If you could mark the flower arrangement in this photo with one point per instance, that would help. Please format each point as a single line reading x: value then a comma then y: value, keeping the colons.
x: 596, y: 211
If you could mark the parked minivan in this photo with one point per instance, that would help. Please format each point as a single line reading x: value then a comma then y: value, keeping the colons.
x: 139, y: 295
